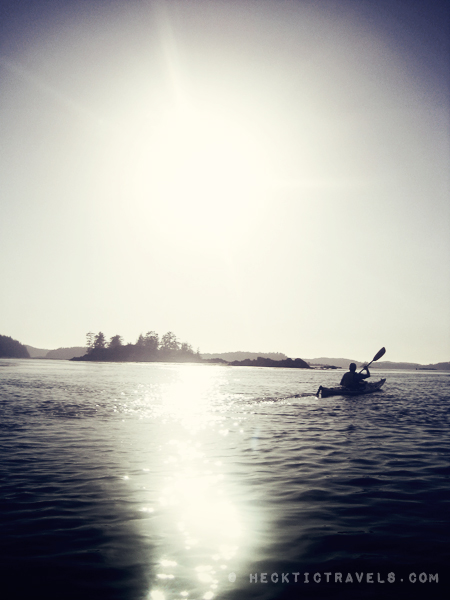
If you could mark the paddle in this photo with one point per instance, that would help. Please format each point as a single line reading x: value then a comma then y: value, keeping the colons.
x: 377, y: 356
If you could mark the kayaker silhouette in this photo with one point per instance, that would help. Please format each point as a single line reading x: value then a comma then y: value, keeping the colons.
x: 352, y: 379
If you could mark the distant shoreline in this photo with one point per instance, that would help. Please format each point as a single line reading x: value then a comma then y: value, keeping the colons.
x: 14, y: 349
x: 212, y: 362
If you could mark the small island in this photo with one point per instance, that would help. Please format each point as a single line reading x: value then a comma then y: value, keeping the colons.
x: 148, y: 348
x: 288, y: 363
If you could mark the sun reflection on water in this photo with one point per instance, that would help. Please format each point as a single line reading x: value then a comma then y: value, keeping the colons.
x: 205, y: 519
x: 188, y: 398
x: 202, y: 524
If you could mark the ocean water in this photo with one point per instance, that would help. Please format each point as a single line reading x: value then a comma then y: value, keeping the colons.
x: 165, y: 481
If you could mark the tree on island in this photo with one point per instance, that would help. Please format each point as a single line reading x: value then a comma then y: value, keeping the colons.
x: 99, y: 341
x: 151, y: 342
x: 90, y: 340
x: 169, y: 345
x: 115, y: 342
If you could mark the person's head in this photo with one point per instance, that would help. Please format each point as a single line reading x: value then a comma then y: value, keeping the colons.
x: 352, y: 367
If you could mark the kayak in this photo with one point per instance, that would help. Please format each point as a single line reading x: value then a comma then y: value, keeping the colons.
x: 340, y: 390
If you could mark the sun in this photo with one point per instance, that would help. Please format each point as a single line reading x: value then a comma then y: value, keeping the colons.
x: 199, y: 170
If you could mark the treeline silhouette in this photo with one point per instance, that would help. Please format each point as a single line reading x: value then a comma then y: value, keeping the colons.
x: 148, y: 348
x: 10, y: 348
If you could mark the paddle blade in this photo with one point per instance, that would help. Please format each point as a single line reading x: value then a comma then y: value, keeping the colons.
x: 379, y: 354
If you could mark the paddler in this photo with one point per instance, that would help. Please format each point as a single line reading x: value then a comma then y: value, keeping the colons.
x: 352, y: 379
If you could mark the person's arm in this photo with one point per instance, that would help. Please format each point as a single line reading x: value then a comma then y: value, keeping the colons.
x: 367, y: 373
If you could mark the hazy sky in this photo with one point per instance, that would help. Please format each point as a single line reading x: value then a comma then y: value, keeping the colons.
x: 262, y: 176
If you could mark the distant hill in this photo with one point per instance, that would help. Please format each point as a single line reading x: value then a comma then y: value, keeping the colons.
x: 66, y: 353
x: 334, y: 362
x: 10, y: 348
x: 344, y: 363
x: 59, y: 353
x: 442, y: 366
x: 36, y: 352
x: 387, y: 364
x: 232, y: 356
x: 382, y: 364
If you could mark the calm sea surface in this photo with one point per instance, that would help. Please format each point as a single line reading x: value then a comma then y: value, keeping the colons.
x: 164, y: 481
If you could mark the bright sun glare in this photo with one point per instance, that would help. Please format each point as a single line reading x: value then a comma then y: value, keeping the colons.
x: 199, y: 170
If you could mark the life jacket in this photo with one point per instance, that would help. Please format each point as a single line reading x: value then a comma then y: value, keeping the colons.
x: 352, y: 379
